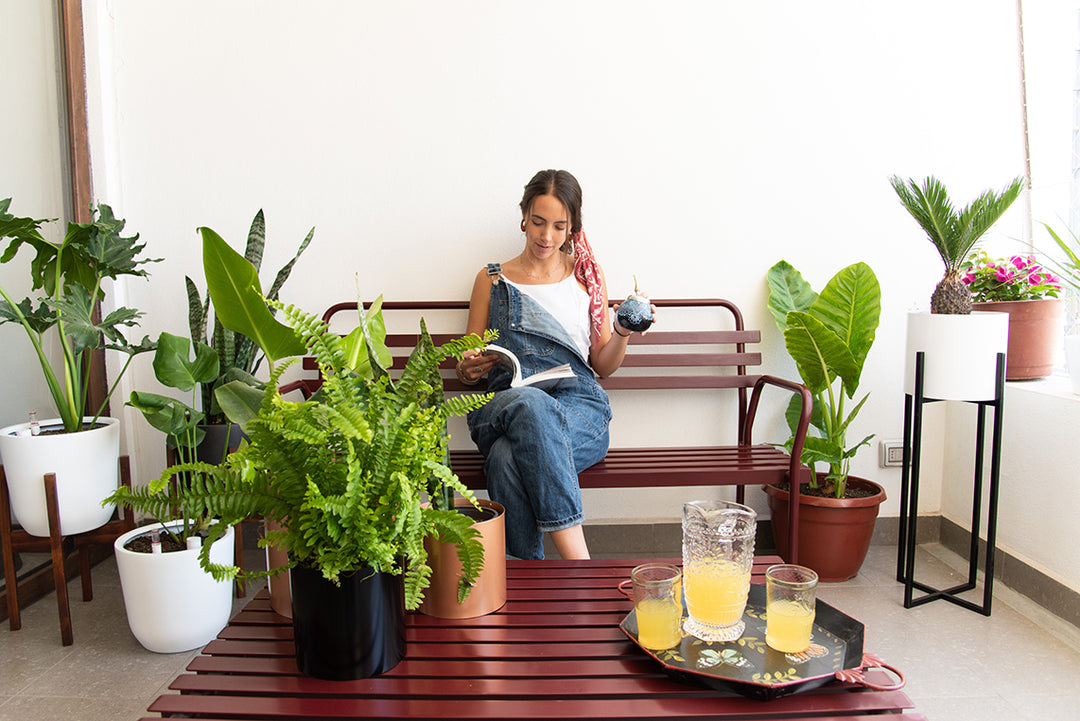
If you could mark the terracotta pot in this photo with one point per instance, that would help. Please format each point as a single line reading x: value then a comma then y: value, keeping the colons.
x: 279, y: 584
x: 489, y: 593
x: 834, y: 533
x: 1035, y: 333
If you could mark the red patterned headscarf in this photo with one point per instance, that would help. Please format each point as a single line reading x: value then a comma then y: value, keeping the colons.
x: 588, y: 272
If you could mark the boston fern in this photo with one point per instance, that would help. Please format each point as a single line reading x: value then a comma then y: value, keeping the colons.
x: 345, y: 473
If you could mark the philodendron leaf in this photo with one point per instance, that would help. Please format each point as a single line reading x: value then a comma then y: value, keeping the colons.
x: 173, y: 367
x: 238, y: 300
x: 819, y: 353
x: 788, y: 291
x: 239, y: 401
x: 163, y: 413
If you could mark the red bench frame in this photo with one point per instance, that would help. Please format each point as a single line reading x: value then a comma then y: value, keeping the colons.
x: 716, y: 358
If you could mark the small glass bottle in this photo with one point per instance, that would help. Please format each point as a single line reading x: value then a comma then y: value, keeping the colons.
x: 35, y: 429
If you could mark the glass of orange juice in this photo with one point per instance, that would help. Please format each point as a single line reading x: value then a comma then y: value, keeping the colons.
x: 790, y: 600
x: 718, y: 551
x: 657, y: 597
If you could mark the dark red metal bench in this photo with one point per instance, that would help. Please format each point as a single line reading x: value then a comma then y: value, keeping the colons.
x: 711, y: 357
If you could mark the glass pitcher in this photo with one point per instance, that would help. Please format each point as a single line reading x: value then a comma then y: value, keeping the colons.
x: 718, y: 552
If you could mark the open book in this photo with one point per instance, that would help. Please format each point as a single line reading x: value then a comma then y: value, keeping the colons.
x: 559, y: 376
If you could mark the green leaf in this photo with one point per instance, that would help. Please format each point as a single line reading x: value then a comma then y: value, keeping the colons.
x: 794, y: 413
x: 953, y: 234
x: 173, y: 368
x: 239, y: 401
x: 850, y: 306
x: 75, y: 312
x: 286, y: 270
x: 256, y: 241
x: 167, y: 415
x: 788, y: 291
x: 238, y: 300
x: 818, y: 351
x: 39, y: 320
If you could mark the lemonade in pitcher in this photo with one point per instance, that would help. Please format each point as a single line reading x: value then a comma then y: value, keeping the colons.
x: 718, y: 551
x: 716, y: 594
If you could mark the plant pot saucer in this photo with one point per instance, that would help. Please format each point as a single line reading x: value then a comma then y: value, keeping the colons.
x: 751, y: 668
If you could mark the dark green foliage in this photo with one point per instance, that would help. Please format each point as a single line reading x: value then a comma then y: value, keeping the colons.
x: 69, y: 276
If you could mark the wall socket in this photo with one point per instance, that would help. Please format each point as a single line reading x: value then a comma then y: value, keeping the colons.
x: 891, y: 453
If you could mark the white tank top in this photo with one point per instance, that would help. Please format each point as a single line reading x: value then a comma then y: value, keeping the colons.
x: 568, y: 303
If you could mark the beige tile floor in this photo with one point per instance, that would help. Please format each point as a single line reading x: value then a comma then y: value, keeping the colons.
x: 1019, y: 664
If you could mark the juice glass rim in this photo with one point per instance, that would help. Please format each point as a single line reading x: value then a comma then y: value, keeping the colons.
x: 791, y: 575
x: 674, y: 574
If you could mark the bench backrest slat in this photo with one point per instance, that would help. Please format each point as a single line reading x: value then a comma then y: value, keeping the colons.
x: 712, y: 353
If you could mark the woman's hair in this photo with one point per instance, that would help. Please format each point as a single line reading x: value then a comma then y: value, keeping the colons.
x: 563, y: 186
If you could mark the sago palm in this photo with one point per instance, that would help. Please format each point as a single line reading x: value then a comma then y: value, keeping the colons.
x: 953, y: 234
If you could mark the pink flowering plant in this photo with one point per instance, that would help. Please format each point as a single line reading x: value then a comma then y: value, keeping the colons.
x: 1017, y: 277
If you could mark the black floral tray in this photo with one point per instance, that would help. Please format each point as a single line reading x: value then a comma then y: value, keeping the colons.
x: 751, y: 668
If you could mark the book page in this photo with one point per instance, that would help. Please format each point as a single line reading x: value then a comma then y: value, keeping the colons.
x: 560, y: 376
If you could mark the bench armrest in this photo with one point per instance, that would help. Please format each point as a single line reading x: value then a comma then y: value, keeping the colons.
x: 306, y: 386
x: 801, y: 428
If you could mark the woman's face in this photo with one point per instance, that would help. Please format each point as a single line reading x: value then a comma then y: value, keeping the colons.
x: 547, y: 226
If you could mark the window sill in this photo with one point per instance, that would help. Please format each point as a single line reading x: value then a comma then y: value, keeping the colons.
x: 1058, y: 385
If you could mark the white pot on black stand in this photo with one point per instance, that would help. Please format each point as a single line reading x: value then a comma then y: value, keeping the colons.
x: 953, y: 358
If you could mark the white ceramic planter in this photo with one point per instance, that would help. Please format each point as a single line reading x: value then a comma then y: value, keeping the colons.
x: 85, y: 465
x: 960, y: 361
x: 172, y: 604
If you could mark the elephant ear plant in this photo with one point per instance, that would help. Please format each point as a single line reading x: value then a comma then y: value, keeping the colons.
x: 346, y: 472
x: 828, y: 335
x: 70, y: 275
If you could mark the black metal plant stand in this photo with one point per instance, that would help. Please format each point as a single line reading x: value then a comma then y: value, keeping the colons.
x: 909, y: 496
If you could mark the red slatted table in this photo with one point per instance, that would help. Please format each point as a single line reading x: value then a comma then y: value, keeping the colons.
x: 554, y: 651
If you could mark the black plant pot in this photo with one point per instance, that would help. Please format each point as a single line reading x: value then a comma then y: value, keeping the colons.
x: 352, y: 631
x: 219, y: 438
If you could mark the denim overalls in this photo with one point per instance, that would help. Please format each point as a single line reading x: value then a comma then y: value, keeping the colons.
x: 534, y: 441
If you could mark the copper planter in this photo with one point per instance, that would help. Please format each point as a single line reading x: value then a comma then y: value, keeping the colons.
x: 489, y: 593
x: 279, y: 585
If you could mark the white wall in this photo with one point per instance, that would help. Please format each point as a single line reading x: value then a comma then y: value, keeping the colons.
x: 31, y: 173
x: 712, y: 138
